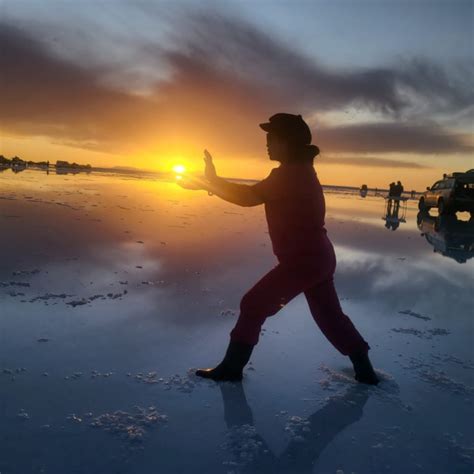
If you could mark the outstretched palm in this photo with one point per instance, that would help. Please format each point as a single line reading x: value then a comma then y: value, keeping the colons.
x: 210, y: 169
x: 191, y: 182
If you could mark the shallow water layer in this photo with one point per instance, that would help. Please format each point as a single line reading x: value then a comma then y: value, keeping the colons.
x: 113, y: 288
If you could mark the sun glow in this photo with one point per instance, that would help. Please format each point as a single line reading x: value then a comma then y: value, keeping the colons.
x: 179, y: 169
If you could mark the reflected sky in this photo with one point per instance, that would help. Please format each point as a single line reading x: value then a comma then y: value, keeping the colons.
x: 89, y: 234
x: 113, y: 273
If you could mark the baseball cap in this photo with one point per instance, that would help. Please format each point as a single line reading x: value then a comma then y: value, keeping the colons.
x: 289, y: 126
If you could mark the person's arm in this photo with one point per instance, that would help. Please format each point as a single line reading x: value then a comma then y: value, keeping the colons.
x: 240, y: 194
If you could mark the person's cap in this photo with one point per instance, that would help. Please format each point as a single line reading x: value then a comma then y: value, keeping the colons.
x: 289, y: 126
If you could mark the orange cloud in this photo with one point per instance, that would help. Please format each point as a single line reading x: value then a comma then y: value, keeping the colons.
x: 224, y: 82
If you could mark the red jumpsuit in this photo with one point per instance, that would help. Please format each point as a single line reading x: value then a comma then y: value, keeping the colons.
x: 295, y: 210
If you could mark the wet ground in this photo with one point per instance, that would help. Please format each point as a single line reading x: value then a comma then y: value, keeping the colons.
x: 113, y: 288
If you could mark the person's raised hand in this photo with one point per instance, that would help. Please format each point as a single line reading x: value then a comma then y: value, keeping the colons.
x: 191, y: 182
x: 210, y: 169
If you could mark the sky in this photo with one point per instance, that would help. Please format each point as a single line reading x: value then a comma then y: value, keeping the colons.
x: 386, y: 87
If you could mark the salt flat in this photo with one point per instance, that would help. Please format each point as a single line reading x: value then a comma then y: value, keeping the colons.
x: 114, y: 287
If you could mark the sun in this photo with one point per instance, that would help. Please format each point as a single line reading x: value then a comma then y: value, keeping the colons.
x: 179, y: 169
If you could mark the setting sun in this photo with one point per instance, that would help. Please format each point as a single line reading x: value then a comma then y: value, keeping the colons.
x: 179, y: 169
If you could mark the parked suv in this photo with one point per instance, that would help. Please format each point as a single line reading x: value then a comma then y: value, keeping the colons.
x: 455, y: 192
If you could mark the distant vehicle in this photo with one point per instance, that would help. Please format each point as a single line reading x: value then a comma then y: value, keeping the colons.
x: 455, y: 192
x: 448, y: 235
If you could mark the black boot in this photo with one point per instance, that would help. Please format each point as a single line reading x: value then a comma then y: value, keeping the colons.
x: 237, y: 355
x: 364, y: 372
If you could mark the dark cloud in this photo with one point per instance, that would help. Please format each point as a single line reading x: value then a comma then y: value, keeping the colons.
x: 409, y: 87
x: 45, y: 95
x: 394, y: 137
x: 369, y: 162
x: 226, y: 77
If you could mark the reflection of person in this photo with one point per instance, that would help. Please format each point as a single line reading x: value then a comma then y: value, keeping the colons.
x: 392, y: 220
x: 393, y: 223
x: 310, y: 439
x: 295, y: 210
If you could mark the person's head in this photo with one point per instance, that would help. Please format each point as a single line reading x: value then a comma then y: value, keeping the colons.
x: 289, y: 139
x: 399, y: 183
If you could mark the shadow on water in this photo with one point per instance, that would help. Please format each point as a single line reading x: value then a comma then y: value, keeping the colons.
x: 309, y: 438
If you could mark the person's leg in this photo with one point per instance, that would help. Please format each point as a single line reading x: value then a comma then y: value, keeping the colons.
x: 265, y: 298
x: 334, y: 324
x: 279, y: 286
x: 339, y: 330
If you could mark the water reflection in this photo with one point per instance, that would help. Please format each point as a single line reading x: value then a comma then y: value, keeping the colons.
x: 449, y: 236
x: 309, y: 437
x: 101, y: 234
x: 393, y: 215
x: 185, y: 260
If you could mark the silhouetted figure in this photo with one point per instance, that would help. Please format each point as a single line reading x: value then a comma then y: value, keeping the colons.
x: 391, y: 189
x: 398, y: 190
x: 295, y: 211
x: 391, y: 195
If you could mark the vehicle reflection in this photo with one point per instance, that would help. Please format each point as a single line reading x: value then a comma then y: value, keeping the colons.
x: 449, y: 236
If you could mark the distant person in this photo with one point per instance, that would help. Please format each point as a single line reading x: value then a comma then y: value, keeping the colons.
x: 398, y: 194
x: 391, y: 189
x: 400, y: 188
x: 295, y: 210
x: 391, y: 195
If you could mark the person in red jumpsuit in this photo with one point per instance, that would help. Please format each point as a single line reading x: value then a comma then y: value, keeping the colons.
x: 295, y: 210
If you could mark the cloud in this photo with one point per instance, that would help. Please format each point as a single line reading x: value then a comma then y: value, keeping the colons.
x: 226, y: 77
x: 413, y: 86
x: 369, y: 162
x: 45, y: 95
x: 392, y: 137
